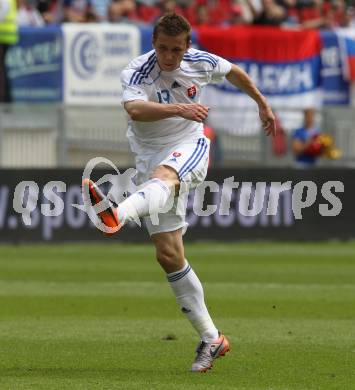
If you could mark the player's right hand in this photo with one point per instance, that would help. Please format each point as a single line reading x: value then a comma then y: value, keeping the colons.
x: 193, y: 111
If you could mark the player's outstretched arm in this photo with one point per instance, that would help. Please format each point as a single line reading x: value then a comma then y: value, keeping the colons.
x: 144, y: 111
x: 241, y: 80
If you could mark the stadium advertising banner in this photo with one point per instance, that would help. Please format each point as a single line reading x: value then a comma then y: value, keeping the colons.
x: 336, y: 89
x: 34, y: 65
x: 94, y: 59
x: 296, y: 64
x: 346, y: 38
x: 282, y: 63
x: 233, y: 204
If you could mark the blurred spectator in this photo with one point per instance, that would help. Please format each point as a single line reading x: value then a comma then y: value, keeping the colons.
x: 338, y: 13
x: 100, y: 8
x: 185, y: 3
x: 28, y: 15
x: 51, y: 11
x: 251, y: 9
x: 290, y: 7
x: 8, y: 37
x: 272, y: 14
x: 4, y: 9
x: 202, y: 17
x: 197, y: 13
x: 350, y: 17
x: 79, y: 11
x: 237, y: 15
x: 219, y: 11
x: 288, y: 3
x: 304, y: 147
x: 122, y: 11
x: 306, y: 13
x: 168, y: 6
x: 148, y: 3
x: 147, y: 10
x: 312, y: 13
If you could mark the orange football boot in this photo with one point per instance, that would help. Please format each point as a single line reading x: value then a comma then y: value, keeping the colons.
x: 108, y: 216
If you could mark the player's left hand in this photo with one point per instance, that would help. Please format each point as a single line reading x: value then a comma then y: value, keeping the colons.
x: 267, y: 118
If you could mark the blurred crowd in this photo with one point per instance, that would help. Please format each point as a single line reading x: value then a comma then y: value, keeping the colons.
x: 291, y: 13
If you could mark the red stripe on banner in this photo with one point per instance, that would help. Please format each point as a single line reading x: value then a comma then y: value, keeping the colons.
x: 258, y: 43
x: 351, y: 63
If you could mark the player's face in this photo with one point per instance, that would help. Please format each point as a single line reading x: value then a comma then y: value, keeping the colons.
x: 170, y: 50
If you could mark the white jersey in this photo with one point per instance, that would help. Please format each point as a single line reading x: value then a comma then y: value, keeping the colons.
x: 143, y: 79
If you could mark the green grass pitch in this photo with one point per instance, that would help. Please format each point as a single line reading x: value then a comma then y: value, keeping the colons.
x: 103, y: 317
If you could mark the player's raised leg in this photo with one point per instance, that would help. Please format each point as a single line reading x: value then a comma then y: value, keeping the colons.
x: 190, y: 297
x: 149, y: 199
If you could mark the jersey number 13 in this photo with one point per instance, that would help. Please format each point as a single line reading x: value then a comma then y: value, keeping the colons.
x: 164, y: 96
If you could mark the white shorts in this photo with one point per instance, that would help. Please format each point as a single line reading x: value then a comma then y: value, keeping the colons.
x: 190, y: 160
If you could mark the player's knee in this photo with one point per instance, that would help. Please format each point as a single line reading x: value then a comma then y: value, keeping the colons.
x: 169, y: 259
x: 165, y: 256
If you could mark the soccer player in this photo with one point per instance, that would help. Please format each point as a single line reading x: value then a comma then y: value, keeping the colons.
x: 161, y: 94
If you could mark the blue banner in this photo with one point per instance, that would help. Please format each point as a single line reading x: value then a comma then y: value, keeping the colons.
x: 35, y: 65
x: 286, y: 69
x: 335, y: 88
x: 146, y: 38
x: 346, y: 39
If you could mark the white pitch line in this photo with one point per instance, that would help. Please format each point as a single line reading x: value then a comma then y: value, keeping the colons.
x: 254, y: 249
x: 29, y: 288
x: 260, y: 251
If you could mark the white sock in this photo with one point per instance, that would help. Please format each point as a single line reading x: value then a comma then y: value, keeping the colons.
x: 151, y: 198
x: 189, y: 294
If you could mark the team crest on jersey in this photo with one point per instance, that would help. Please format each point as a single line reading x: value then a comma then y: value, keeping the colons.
x: 191, y: 92
x: 176, y: 154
